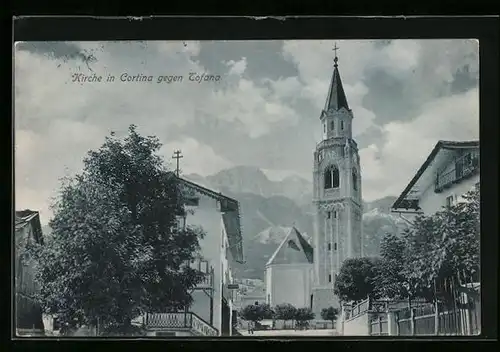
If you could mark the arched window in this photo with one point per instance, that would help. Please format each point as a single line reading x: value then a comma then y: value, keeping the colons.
x: 335, y: 178
x: 328, y: 178
x: 341, y: 125
x: 331, y: 177
x: 354, y: 179
x: 332, y: 125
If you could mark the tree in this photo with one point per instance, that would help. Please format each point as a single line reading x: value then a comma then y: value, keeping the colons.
x: 356, y: 279
x: 117, y: 250
x: 330, y: 313
x: 446, y: 244
x: 285, y: 311
x: 303, y: 316
x: 434, y: 248
x: 256, y: 312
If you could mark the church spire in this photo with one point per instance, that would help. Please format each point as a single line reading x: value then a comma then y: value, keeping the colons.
x: 336, y: 98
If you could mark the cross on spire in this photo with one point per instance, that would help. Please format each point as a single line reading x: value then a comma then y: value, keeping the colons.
x: 335, y: 48
x: 177, y: 155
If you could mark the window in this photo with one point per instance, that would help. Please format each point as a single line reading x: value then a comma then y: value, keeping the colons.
x: 268, y: 299
x: 329, y: 246
x: 331, y: 178
x: 449, y: 201
x: 354, y: 180
x: 341, y: 125
x: 335, y: 214
x: 324, y: 127
x: 332, y: 125
x: 330, y: 278
x: 328, y: 179
x: 329, y: 214
x: 335, y: 246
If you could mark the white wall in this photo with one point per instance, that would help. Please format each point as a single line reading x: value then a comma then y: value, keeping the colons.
x: 358, y: 326
x: 208, y: 217
x: 289, y: 283
x: 431, y: 202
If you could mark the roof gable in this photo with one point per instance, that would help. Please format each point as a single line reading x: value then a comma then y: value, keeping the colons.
x: 294, y: 249
x: 229, y: 208
x: 432, y: 163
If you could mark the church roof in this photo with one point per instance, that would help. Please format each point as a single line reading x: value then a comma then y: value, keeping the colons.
x: 294, y: 249
x: 336, y: 97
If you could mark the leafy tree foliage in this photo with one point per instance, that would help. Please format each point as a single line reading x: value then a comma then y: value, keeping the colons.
x: 330, y: 313
x: 434, y: 248
x: 285, y: 312
x: 117, y: 249
x: 303, y: 315
x: 357, y: 279
x: 256, y: 312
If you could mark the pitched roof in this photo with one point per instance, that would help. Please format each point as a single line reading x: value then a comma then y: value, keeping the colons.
x: 294, y: 249
x: 230, y: 209
x: 336, y: 97
x: 25, y: 217
x: 441, y: 145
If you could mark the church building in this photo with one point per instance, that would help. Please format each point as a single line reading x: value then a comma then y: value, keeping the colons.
x: 304, y: 275
x: 336, y: 196
x: 289, y: 272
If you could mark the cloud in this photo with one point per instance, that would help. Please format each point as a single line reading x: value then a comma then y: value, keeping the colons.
x: 197, y: 158
x: 237, y: 67
x: 406, y: 145
x: 247, y: 119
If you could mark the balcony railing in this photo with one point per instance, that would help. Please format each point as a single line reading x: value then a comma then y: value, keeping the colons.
x: 463, y: 168
x: 180, y: 321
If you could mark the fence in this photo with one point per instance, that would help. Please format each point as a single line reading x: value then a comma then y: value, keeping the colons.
x: 379, y: 325
x: 457, y: 311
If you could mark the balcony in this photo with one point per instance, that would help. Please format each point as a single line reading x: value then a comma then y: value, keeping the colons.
x: 180, y: 321
x: 464, y: 167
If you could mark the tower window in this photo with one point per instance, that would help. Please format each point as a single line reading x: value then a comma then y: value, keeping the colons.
x: 354, y: 180
x: 335, y: 214
x: 331, y: 178
x: 324, y: 127
x: 332, y: 125
x: 341, y: 125
x: 335, y: 178
x: 329, y: 246
x: 328, y: 179
x: 329, y: 214
x: 330, y: 278
x: 335, y: 246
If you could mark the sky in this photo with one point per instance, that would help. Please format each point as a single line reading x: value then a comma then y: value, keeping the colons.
x: 263, y: 111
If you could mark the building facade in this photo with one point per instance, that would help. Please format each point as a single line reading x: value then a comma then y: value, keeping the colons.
x: 337, y: 195
x: 289, y: 272
x: 451, y: 170
x: 28, y: 313
x: 211, y: 312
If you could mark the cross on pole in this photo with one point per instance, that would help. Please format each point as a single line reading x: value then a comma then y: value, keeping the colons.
x: 177, y: 155
x: 335, y: 48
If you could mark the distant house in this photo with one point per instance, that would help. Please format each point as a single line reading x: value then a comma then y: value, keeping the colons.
x: 450, y: 171
x: 28, y: 313
x: 289, y: 272
x: 212, y: 311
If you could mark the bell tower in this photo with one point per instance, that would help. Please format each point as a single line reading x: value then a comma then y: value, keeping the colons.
x: 336, y: 195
